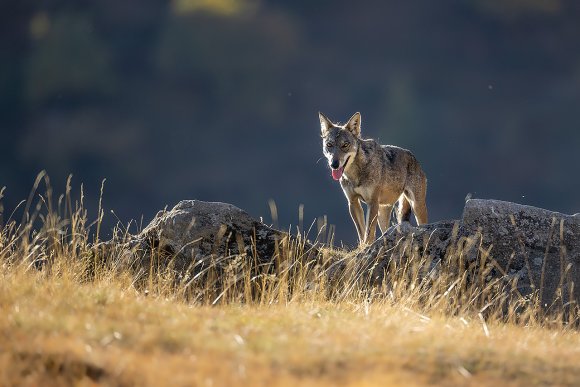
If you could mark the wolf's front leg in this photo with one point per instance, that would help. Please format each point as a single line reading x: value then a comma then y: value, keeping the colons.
x: 372, y: 217
x: 358, y: 217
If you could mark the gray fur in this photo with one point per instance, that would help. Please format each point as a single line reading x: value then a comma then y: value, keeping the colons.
x: 378, y: 175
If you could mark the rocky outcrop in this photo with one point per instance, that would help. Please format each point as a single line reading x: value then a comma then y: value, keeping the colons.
x: 543, y: 247
x: 194, y: 235
x: 536, y: 250
x: 530, y: 250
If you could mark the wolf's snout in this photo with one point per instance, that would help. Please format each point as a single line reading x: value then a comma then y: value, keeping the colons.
x: 334, y: 164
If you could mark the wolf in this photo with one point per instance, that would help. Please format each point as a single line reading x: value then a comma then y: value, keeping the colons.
x: 378, y: 175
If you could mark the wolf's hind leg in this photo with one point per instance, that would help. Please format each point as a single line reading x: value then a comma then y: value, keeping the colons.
x: 403, y: 210
x: 420, y: 211
x: 385, y: 217
x: 417, y: 202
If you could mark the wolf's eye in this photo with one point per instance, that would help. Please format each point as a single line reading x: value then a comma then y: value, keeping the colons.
x: 345, y: 145
x: 329, y: 145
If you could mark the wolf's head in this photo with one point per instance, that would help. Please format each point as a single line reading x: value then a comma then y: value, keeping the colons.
x: 339, y: 142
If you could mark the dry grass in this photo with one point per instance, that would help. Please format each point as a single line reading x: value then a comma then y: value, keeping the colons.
x: 66, y: 318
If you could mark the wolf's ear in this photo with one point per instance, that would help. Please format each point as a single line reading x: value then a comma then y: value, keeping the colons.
x: 325, y: 123
x: 353, y: 124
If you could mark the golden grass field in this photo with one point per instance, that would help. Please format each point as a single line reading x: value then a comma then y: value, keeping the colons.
x: 61, y: 326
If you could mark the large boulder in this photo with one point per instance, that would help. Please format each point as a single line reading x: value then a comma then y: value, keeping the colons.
x: 194, y: 235
x: 536, y: 250
x: 541, y: 247
x: 403, y: 242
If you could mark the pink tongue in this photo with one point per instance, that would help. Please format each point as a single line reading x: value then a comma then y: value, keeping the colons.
x: 337, y: 173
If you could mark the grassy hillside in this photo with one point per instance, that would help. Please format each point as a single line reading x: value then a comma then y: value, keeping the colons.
x: 66, y: 318
x: 57, y: 329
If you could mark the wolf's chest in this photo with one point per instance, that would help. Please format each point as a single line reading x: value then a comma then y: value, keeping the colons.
x: 365, y: 192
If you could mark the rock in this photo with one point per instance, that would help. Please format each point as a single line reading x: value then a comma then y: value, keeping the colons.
x: 539, y: 248
x: 196, y: 234
x: 431, y: 240
x: 536, y: 243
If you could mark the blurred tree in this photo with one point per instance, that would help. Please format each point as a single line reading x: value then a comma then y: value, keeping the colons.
x: 217, y: 100
x: 67, y: 58
x: 519, y: 8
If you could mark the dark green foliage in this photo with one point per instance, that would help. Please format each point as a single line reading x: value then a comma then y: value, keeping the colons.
x: 173, y: 100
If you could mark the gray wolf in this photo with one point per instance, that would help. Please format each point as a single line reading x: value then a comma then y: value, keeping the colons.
x: 378, y: 175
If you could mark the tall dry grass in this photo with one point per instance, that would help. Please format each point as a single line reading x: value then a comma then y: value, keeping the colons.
x: 56, y: 238
x: 73, y: 310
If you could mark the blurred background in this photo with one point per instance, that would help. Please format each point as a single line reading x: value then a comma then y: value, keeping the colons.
x: 218, y: 100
